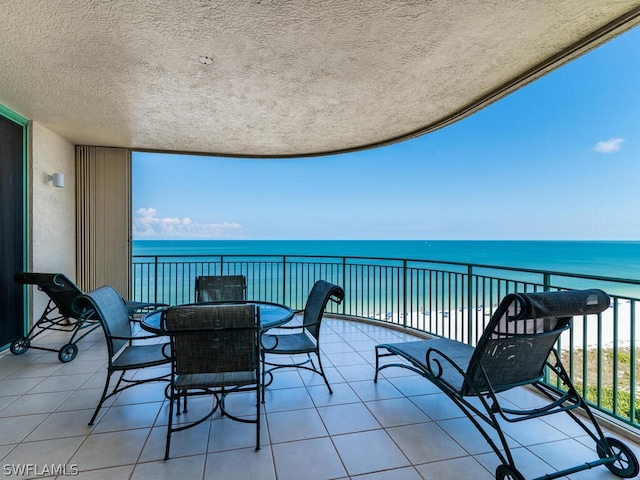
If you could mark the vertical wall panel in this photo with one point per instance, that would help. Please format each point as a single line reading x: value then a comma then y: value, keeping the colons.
x: 103, y: 177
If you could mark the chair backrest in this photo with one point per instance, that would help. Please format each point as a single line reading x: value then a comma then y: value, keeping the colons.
x: 213, y: 338
x: 518, y: 339
x: 220, y: 288
x: 57, y: 286
x: 320, y: 294
x: 110, y: 308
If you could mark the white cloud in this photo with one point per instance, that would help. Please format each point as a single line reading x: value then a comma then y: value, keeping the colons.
x: 609, y: 146
x: 147, y: 224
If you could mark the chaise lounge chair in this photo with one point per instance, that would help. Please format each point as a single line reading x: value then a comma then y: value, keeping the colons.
x: 60, y: 315
x: 517, y: 348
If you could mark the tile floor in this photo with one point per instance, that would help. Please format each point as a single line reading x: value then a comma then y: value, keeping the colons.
x: 400, y: 428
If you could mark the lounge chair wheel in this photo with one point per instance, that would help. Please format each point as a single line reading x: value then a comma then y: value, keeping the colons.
x: 626, y: 466
x: 20, y: 345
x: 68, y: 352
x: 506, y: 472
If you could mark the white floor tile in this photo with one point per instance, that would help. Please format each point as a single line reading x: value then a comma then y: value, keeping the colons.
x: 314, y: 459
x: 425, y: 442
x: 400, y: 428
x: 348, y: 418
x: 368, y: 452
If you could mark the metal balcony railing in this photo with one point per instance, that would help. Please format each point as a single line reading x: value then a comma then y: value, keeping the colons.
x: 448, y: 299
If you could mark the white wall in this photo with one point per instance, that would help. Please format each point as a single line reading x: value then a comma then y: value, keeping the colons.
x: 53, y: 214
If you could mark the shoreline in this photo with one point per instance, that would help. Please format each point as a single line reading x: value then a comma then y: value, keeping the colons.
x: 608, y: 258
x: 444, y: 323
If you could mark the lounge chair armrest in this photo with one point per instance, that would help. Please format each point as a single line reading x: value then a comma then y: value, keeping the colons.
x: 434, y: 358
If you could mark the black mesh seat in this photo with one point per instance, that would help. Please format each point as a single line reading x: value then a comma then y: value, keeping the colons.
x: 60, y: 315
x: 215, y: 350
x: 108, y: 307
x: 306, y: 339
x: 220, y: 288
x: 517, y: 348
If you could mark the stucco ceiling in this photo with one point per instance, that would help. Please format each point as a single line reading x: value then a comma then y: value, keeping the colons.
x: 280, y: 77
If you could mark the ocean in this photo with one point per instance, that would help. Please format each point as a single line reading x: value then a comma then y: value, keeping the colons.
x: 618, y: 259
x: 376, y: 293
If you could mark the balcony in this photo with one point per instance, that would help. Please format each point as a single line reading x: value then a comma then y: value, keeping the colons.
x: 400, y: 427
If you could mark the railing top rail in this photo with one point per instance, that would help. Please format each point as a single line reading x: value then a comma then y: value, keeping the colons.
x: 402, y: 260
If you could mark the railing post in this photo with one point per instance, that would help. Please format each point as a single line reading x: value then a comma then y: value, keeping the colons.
x: 404, y: 293
x: 284, y: 279
x: 344, y: 283
x: 155, y: 280
x: 470, y: 306
x: 547, y: 282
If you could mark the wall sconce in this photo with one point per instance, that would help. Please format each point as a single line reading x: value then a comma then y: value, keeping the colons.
x: 57, y: 179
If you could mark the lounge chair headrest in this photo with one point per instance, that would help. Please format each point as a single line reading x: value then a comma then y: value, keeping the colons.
x: 566, y: 303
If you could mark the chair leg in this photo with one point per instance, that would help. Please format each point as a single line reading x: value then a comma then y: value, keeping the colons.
x: 319, y: 370
x: 119, y: 382
x: 313, y: 365
x: 264, y: 376
x: 258, y: 402
x: 102, y: 399
x: 375, y: 378
x: 170, y: 423
x: 322, y: 373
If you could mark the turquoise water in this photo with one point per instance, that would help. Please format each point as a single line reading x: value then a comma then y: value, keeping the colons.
x: 600, y: 258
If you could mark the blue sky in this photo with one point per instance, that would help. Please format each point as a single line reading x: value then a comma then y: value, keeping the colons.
x: 557, y: 160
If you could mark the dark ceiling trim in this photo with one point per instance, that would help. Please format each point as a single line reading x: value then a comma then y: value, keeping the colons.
x: 586, y: 44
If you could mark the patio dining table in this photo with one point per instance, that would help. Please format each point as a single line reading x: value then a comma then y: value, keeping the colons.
x: 271, y: 315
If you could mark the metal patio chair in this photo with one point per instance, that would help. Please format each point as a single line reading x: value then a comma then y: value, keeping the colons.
x: 220, y: 288
x: 126, y: 353
x: 516, y: 348
x: 59, y: 314
x: 215, y: 350
x: 306, y: 340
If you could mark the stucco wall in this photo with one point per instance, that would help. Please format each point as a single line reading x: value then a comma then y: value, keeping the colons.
x: 52, y: 226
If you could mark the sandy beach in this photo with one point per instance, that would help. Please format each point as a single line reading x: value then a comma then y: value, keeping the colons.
x: 588, y: 331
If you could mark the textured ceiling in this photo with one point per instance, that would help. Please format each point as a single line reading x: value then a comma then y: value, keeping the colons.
x: 286, y: 77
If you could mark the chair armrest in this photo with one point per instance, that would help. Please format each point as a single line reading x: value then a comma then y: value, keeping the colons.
x: 289, y: 327
x: 296, y: 327
x: 271, y: 337
x: 334, y: 299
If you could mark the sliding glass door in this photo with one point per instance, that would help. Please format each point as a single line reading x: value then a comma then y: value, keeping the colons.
x: 13, y: 136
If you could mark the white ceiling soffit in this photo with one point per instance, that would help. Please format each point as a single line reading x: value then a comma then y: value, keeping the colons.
x: 277, y: 77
